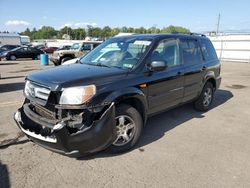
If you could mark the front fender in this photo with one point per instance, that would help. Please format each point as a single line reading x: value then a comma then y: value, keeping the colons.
x: 132, y: 93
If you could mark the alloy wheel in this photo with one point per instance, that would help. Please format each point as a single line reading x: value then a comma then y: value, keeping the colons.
x: 125, y: 129
x: 207, y: 97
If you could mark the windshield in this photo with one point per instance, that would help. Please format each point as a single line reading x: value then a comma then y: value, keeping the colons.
x: 75, y: 46
x: 120, y: 52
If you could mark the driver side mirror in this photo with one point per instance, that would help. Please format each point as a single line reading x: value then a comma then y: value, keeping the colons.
x: 156, y: 66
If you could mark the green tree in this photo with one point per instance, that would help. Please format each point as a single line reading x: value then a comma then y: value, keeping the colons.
x: 175, y: 29
x: 65, y: 30
x: 47, y: 32
x: 78, y: 34
x: 106, y: 32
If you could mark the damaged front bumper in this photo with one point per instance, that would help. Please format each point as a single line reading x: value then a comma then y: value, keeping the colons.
x: 57, y: 137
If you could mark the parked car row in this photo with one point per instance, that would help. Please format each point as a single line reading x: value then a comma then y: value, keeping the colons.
x: 59, y: 55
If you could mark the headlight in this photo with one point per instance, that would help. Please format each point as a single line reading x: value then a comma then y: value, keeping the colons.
x: 77, y: 95
x: 27, y: 89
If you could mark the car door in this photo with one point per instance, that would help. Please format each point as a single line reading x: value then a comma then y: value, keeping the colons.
x: 31, y: 52
x: 165, y: 88
x: 193, y: 68
x: 20, y: 53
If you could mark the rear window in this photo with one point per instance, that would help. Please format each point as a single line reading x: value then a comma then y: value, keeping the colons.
x: 190, y: 51
x: 208, y: 50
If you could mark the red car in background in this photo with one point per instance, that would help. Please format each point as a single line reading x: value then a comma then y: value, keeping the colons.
x: 49, y: 50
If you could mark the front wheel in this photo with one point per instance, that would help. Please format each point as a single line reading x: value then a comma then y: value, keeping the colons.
x: 128, y: 128
x: 204, y: 102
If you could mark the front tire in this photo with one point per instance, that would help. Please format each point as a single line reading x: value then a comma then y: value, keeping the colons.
x: 129, y: 126
x: 204, y: 102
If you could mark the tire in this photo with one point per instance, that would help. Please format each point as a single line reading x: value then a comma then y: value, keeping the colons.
x: 132, y: 118
x: 65, y: 59
x: 205, y: 100
x: 12, y: 57
x: 38, y: 57
x: 56, y: 64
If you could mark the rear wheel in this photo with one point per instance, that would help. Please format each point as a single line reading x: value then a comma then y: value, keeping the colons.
x: 38, y: 57
x: 204, y: 102
x: 12, y: 57
x: 128, y: 128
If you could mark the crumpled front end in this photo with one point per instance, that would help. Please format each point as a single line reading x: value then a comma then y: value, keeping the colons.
x: 72, y: 132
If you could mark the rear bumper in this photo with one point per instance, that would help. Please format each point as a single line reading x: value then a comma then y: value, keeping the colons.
x: 92, y: 139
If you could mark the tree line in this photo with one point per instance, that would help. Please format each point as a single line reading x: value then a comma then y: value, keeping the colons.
x: 47, y: 32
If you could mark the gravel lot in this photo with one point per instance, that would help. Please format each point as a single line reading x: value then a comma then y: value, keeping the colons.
x: 179, y: 148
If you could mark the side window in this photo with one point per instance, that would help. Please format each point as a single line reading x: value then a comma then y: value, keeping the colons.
x: 168, y: 51
x: 31, y: 49
x: 190, y: 52
x: 86, y: 47
x: 208, y: 50
x: 22, y: 50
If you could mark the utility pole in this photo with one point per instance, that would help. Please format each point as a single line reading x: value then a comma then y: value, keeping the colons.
x: 218, y: 25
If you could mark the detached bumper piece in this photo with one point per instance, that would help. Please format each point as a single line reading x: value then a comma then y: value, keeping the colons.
x: 59, y: 138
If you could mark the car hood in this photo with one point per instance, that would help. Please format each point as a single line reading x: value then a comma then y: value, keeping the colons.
x: 75, y: 75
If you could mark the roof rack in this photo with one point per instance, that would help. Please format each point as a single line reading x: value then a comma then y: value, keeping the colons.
x: 199, y: 34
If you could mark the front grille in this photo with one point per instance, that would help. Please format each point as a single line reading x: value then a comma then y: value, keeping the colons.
x: 36, y: 91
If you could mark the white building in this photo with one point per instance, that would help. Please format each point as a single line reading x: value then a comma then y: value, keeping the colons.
x: 10, y: 38
x: 232, y: 47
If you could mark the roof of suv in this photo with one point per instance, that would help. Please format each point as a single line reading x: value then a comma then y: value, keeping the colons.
x: 174, y: 35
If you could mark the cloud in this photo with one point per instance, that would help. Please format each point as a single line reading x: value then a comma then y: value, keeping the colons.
x: 78, y: 24
x: 84, y: 24
x: 16, y: 23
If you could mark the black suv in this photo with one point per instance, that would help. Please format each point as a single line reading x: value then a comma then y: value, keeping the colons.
x: 104, y: 100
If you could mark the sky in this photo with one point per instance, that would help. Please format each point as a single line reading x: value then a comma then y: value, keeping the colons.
x: 196, y: 15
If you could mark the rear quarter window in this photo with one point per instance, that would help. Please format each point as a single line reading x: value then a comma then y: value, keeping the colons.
x: 208, y: 50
